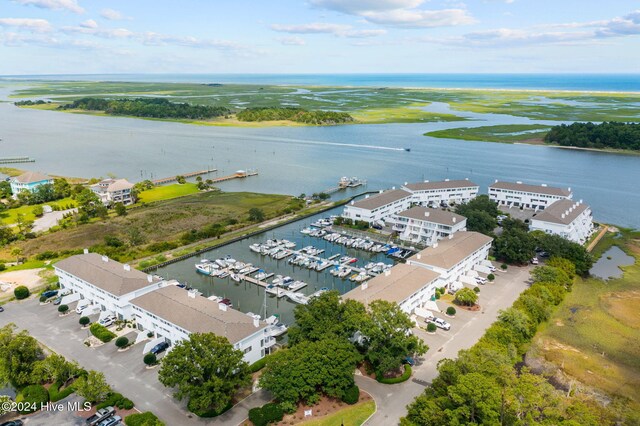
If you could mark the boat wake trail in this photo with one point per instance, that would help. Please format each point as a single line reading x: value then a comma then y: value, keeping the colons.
x: 312, y: 142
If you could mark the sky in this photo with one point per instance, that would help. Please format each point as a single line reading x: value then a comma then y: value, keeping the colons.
x: 319, y: 36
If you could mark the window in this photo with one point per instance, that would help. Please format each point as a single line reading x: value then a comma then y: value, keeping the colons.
x: 247, y: 350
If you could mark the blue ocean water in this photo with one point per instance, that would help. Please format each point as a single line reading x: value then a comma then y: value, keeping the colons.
x: 578, y: 82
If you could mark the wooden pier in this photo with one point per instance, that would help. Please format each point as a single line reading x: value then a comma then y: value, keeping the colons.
x: 186, y: 176
x: 345, y: 183
x: 16, y: 160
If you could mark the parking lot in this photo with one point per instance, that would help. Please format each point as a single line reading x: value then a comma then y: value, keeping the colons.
x: 125, y: 371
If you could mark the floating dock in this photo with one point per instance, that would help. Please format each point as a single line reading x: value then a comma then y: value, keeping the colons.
x: 345, y: 183
x: 16, y: 160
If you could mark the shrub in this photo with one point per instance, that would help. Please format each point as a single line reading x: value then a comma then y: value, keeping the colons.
x: 257, y: 417
x: 476, y: 289
x: 393, y: 380
x: 150, y: 334
x: 431, y: 327
x: 272, y: 413
x: 143, y: 419
x: 43, y: 299
x: 466, y: 297
x: 63, y: 309
x: 2, y: 267
x: 351, y: 395
x: 504, y: 266
x: 491, y: 277
x: 32, y: 396
x: 116, y: 399
x: 122, y: 342
x: 55, y: 394
x: 451, y: 311
x: 84, y: 321
x: 150, y: 359
x: 21, y: 292
x: 258, y: 365
x: 101, y: 332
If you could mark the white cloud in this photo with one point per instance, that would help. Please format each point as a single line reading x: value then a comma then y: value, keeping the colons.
x: 89, y: 23
x: 28, y: 24
x: 70, y: 5
x: 569, y: 33
x: 292, y: 41
x: 421, y: 18
x: 399, y: 13
x: 338, y: 30
x: 113, y: 15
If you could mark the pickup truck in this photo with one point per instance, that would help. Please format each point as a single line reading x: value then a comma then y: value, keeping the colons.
x: 100, y: 415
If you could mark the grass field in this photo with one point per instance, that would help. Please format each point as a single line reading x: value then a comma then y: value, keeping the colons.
x: 167, y: 192
x: 161, y: 221
x: 9, y: 217
x: 594, y: 336
x: 509, y: 133
x: 350, y: 416
x: 368, y: 104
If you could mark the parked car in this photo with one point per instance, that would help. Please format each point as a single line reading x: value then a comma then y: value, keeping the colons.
x: 1, y: 309
x: 50, y: 293
x: 111, y: 421
x: 440, y: 323
x: 534, y: 261
x: 543, y: 254
x: 100, y: 415
x: 409, y: 360
x: 481, y: 280
x: 58, y: 300
x: 81, y: 308
x: 159, y: 348
x: 491, y: 268
x: 107, y: 321
x: 12, y: 423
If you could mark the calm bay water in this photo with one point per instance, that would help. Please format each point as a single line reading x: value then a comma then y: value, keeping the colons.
x: 599, y: 82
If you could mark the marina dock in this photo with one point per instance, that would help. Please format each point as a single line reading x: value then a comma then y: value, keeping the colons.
x: 16, y: 160
x: 186, y: 176
x: 345, y: 183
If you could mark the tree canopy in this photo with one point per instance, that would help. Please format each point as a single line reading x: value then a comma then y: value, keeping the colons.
x: 19, y: 352
x: 481, y: 214
x: 206, y: 370
x: 514, y: 245
x: 589, y: 135
x: 293, y: 114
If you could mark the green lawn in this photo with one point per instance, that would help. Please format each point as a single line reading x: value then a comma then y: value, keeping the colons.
x: 508, y: 133
x: 412, y: 114
x: 10, y: 216
x: 350, y: 416
x: 168, y: 192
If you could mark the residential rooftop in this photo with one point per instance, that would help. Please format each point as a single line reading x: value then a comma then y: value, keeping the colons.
x: 111, y: 276
x: 450, y: 251
x: 438, y: 216
x: 396, y: 285
x: 562, y: 212
x: 32, y: 177
x: 536, y: 189
x: 381, y: 199
x: 445, y: 184
x: 197, y: 314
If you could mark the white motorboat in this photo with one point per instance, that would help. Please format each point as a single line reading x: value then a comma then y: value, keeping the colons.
x: 277, y: 280
x: 277, y: 329
x: 276, y: 291
x: 261, y: 275
x: 289, y: 244
x: 221, y: 262
x: 296, y: 285
x: 246, y: 269
x: 223, y: 274
x: 298, y: 298
x: 306, y: 231
x: 344, y: 272
x: 237, y: 278
x: 255, y: 248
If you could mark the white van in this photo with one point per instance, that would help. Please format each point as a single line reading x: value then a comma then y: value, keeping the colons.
x: 81, y: 306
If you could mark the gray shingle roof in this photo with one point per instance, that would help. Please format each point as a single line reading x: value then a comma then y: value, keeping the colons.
x: 197, y: 314
x: 445, y: 184
x: 382, y: 199
x: 442, y: 217
x: 402, y: 281
x: 538, y: 189
x: 451, y: 251
x: 110, y: 276
x: 31, y: 177
x: 553, y: 213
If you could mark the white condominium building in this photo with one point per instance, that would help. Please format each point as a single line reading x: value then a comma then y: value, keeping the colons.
x: 427, y: 226
x: 379, y: 207
x: 569, y: 219
x: 103, y: 284
x: 409, y: 286
x: 432, y: 194
x: 518, y: 194
x: 174, y: 313
x: 454, y: 257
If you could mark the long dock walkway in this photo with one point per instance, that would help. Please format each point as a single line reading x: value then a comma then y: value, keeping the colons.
x: 186, y: 176
x: 16, y: 160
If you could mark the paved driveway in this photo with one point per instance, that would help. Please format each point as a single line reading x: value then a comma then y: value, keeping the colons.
x: 466, y: 328
x: 124, y: 371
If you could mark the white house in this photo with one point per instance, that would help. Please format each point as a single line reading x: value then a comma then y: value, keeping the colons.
x: 28, y: 181
x: 518, y: 194
x: 432, y: 194
x: 377, y: 208
x: 104, y: 283
x: 454, y: 258
x: 113, y: 191
x: 427, y: 226
x: 409, y: 286
x: 174, y: 313
x: 569, y: 219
